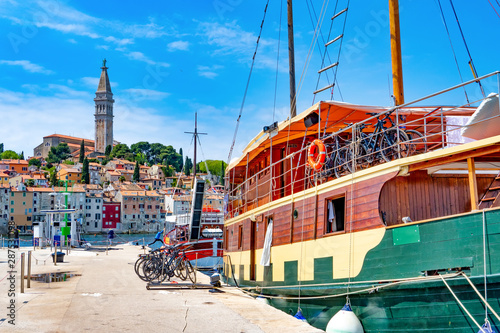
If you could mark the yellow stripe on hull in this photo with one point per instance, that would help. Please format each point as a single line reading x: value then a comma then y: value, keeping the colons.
x: 336, y: 247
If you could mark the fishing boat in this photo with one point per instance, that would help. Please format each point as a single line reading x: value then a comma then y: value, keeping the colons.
x: 393, y: 211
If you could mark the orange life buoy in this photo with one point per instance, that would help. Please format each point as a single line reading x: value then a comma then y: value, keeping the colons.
x: 316, y: 160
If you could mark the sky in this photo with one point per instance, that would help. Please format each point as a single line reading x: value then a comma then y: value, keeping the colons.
x: 170, y: 59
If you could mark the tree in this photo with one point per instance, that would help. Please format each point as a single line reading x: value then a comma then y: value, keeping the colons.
x: 188, y: 165
x: 21, y: 156
x: 1, y: 148
x: 59, y: 153
x: 30, y: 183
x: 53, y: 178
x: 85, y: 171
x: 109, y: 148
x: 182, y: 159
x: 122, y: 179
x: 142, y: 147
x: 82, y: 153
x: 122, y: 151
x: 34, y: 161
x: 136, y: 175
x: 10, y: 155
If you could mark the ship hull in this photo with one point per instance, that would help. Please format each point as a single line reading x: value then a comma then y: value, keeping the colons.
x: 398, y: 286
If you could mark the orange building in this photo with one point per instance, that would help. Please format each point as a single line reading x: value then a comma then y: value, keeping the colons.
x: 18, y: 166
x: 73, y: 176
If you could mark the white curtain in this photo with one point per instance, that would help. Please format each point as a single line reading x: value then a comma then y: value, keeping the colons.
x: 265, y: 260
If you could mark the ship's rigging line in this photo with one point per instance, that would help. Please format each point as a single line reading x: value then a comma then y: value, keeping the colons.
x: 494, y: 7
x: 247, y: 85
x: 471, y: 63
x: 452, y: 49
x: 277, y: 61
x: 306, y: 64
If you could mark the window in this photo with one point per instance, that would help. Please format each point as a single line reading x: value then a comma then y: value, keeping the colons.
x: 103, y: 208
x: 103, y: 216
x: 154, y: 216
x: 335, y: 215
x: 96, y: 224
x: 240, y: 237
x: 24, y: 194
x: 97, y: 216
x: 146, y: 216
x: 116, y: 208
x: 116, y: 215
x: 12, y: 210
x: 125, y: 206
x: 12, y: 202
x: 133, y: 216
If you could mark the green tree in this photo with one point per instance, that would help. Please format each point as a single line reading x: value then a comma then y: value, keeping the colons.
x: 136, y: 175
x: 122, y: 151
x: 182, y: 160
x: 188, y: 165
x: 142, y: 147
x: 53, y: 178
x: 1, y: 148
x: 29, y: 183
x: 122, y: 179
x: 109, y: 148
x: 10, y: 155
x: 85, y: 171
x: 59, y: 153
x: 21, y: 156
x: 82, y: 153
x: 34, y: 161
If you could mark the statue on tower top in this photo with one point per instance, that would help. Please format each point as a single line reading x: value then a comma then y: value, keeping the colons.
x: 104, y: 62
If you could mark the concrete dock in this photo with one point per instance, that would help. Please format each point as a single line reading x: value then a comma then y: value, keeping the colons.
x: 105, y: 295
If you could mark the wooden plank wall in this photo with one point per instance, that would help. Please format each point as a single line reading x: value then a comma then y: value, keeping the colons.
x: 361, y: 212
x: 421, y: 196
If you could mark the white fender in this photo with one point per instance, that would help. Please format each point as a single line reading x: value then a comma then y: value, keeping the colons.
x: 344, y: 321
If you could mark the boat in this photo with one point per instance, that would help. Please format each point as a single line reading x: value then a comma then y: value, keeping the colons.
x: 199, y: 231
x: 394, y: 211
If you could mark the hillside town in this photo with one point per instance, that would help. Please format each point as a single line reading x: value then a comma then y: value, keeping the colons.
x: 110, y: 185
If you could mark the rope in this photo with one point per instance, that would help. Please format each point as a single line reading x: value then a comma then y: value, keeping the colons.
x: 467, y: 48
x: 494, y: 7
x: 488, y: 306
x: 277, y: 61
x: 463, y: 307
x: 484, y: 267
x: 452, y: 49
x: 367, y: 290
x: 247, y: 85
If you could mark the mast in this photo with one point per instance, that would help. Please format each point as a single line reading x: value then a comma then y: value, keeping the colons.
x: 397, y: 65
x: 291, y: 61
x: 195, y: 134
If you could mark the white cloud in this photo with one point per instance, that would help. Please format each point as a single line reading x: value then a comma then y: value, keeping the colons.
x: 137, y: 94
x: 209, y: 71
x: 178, y: 46
x: 27, y: 66
x: 135, y: 55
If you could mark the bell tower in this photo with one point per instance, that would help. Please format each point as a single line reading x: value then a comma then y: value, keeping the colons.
x: 103, y: 112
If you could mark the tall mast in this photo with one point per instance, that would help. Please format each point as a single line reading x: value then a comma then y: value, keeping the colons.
x: 291, y: 61
x: 397, y: 65
x: 195, y: 134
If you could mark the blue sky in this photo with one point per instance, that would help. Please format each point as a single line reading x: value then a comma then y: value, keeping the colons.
x: 169, y: 59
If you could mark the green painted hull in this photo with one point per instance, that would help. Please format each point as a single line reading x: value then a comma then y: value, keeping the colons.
x: 443, y: 246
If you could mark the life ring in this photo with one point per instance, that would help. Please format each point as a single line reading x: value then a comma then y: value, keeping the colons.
x: 316, y: 160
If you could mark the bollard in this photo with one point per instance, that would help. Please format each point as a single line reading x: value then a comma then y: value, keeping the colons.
x: 107, y: 249
x: 67, y: 248
x: 29, y: 269
x: 55, y: 253
x: 22, y: 273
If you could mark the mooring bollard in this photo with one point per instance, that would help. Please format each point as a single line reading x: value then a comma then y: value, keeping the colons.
x: 22, y: 273
x: 29, y: 269
x: 55, y: 253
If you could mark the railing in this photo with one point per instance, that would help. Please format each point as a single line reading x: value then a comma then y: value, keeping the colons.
x: 351, y: 149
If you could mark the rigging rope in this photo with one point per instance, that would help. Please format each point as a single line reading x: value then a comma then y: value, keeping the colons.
x: 452, y: 49
x: 471, y: 63
x: 494, y: 7
x: 277, y: 61
x: 247, y: 85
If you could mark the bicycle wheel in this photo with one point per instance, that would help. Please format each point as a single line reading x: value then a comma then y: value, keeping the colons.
x: 181, y: 269
x: 150, y: 269
x: 138, y: 267
x: 190, y: 272
x: 390, y: 148
x: 417, y: 142
x: 342, y: 164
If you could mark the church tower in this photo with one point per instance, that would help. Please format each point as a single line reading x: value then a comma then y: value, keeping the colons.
x: 103, y: 112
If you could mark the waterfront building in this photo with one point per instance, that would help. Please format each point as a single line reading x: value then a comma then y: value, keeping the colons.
x: 21, y: 208
x: 93, y: 212
x: 15, y: 166
x: 4, y: 207
x: 111, y: 214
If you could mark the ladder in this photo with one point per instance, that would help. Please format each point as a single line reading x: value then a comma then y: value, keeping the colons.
x: 491, y: 197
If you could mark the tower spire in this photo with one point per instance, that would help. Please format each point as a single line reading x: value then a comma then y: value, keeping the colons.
x: 103, y: 112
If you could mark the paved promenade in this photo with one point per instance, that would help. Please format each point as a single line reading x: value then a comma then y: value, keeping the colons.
x: 109, y: 297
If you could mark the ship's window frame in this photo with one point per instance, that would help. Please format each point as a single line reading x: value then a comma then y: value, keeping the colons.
x: 240, y: 237
x: 339, y: 206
